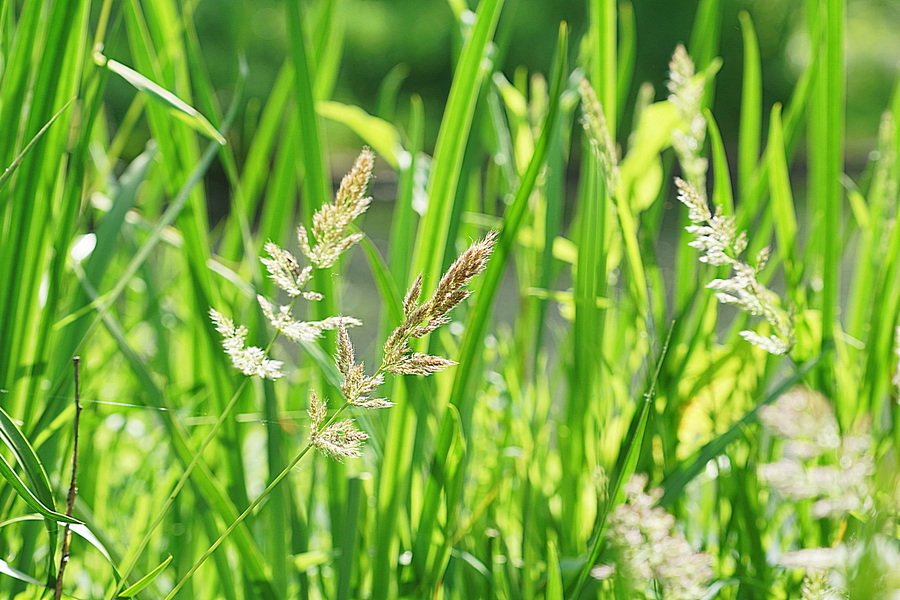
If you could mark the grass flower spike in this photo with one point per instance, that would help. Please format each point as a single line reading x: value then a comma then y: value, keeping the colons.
x: 330, y: 223
x: 806, y: 421
x: 838, y: 473
x: 721, y: 245
x: 334, y: 438
x: 340, y: 439
x: 422, y: 319
x: 594, y: 122
x: 285, y: 271
x: 357, y: 387
x: 301, y: 331
x: 686, y: 94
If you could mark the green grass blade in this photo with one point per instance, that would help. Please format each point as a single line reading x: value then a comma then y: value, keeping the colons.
x: 180, y: 108
x: 705, y: 37
x: 377, y: 133
x: 432, y: 242
x: 554, y: 574
x: 28, y: 496
x: 751, y: 107
x: 479, y: 317
x: 624, y: 467
x: 10, y: 571
x: 7, y: 173
x: 403, y: 222
x: 782, y: 200
x: 626, y: 54
x: 133, y: 590
x: 721, y: 195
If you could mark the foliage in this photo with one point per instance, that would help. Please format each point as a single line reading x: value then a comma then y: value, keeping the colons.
x: 592, y: 357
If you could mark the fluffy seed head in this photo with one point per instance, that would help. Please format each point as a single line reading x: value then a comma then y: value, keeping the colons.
x: 339, y: 440
x: 647, y: 550
x: 331, y: 221
x: 249, y: 361
x: 716, y: 237
x: 421, y: 320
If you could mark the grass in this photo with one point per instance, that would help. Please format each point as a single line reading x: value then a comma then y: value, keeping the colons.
x: 591, y: 350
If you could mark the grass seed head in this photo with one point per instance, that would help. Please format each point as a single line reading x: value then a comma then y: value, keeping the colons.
x: 716, y: 237
x: 686, y: 94
x: 331, y: 221
x: 594, y: 122
x: 248, y: 360
x: 648, y: 551
x: 421, y: 320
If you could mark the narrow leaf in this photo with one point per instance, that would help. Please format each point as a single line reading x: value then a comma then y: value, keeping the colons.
x: 145, y: 580
x: 182, y: 109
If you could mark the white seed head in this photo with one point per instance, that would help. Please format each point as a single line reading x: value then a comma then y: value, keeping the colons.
x: 250, y: 361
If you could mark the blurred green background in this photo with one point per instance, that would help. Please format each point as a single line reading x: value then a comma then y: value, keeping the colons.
x: 412, y: 44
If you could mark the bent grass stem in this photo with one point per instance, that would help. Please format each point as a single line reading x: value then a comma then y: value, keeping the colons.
x: 256, y: 502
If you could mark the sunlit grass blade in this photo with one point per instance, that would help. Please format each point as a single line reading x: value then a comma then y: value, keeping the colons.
x: 403, y: 224
x: 431, y: 241
x: 782, y: 200
x: 180, y: 108
x: 705, y: 36
x: 751, y: 107
x: 624, y: 468
x: 144, y: 581
x: 473, y: 339
x: 377, y: 133
x: 7, y: 173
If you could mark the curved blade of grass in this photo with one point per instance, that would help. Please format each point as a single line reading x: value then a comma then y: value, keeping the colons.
x: 144, y: 581
x: 381, y: 135
x: 10, y: 571
x: 389, y: 90
x: 84, y: 531
x: 38, y: 495
x: 27, y: 458
x: 179, y: 107
x: 26, y: 494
